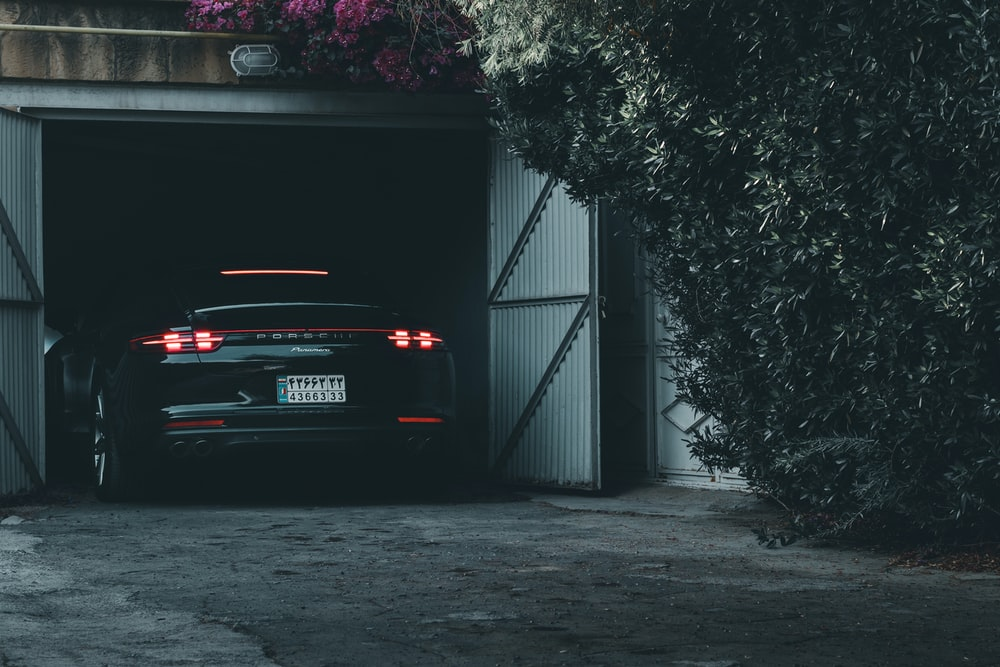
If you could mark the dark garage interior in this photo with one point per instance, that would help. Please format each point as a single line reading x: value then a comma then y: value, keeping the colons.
x: 403, y: 207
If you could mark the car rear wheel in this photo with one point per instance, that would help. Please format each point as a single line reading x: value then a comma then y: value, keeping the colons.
x: 110, y: 478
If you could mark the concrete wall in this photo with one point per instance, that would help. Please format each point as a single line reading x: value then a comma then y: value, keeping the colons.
x: 54, y: 56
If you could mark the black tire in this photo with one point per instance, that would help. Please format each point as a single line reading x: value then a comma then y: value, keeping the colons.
x: 68, y: 454
x: 113, y: 481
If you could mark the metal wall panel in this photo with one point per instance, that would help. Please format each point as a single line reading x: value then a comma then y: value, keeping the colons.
x: 22, y: 423
x: 544, y: 416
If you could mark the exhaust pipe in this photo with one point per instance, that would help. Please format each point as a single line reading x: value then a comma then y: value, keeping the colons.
x: 417, y: 444
x: 202, y: 448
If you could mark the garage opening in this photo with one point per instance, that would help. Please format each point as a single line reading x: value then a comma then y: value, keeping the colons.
x: 409, y: 208
x: 402, y: 207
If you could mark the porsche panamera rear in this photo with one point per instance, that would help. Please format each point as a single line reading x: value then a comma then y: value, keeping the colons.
x: 228, y: 361
x: 286, y: 374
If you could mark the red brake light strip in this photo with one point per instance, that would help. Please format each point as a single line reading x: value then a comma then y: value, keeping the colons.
x: 195, y: 423
x: 271, y: 272
x: 206, y: 341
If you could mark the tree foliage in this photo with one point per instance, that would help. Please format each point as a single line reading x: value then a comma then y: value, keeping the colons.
x: 818, y: 187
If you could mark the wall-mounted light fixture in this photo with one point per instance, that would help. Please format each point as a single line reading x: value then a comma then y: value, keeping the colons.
x: 254, y: 60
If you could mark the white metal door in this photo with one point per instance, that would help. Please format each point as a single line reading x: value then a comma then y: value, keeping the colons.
x: 544, y: 415
x: 677, y: 421
x: 22, y: 406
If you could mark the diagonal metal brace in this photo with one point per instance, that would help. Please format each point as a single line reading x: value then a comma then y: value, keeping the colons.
x: 522, y: 240
x: 7, y: 227
x: 19, y: 444
x: 543, y: 385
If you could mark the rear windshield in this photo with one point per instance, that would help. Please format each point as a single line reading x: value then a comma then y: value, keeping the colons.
x: 204, y: 289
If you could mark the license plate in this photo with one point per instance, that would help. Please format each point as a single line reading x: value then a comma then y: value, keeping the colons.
x: 312, y: 389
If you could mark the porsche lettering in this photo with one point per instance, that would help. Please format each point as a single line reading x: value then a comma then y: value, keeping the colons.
x: 305, y: 335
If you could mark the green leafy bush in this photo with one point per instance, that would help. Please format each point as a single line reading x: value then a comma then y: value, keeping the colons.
x: 818, y: 186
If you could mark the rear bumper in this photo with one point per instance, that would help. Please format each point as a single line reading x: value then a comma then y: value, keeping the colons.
x: 402, y: 440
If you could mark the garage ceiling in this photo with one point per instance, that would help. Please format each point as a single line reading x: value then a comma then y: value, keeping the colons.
x: 396, y: 203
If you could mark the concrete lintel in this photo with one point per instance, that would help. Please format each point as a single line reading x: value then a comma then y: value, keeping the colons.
x: 241, y: 104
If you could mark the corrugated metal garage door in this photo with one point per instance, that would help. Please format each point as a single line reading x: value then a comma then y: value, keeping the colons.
x: 544, y: 417
x: 22, y: 423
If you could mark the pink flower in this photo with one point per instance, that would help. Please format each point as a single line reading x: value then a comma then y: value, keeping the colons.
x: 357, y: 41
x: 308, y: 12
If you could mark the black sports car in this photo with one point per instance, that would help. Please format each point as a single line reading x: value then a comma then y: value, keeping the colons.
x: 197, y: 364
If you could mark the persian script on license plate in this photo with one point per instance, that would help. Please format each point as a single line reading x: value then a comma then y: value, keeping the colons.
x: 312, y: 389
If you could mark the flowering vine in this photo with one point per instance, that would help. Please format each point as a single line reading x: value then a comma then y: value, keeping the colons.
x: 410, y: 45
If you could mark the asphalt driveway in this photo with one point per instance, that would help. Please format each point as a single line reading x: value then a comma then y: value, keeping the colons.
x: 655, y: 575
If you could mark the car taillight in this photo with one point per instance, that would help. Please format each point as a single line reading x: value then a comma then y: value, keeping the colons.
x: 416, y: 340
x: 175, y: 342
